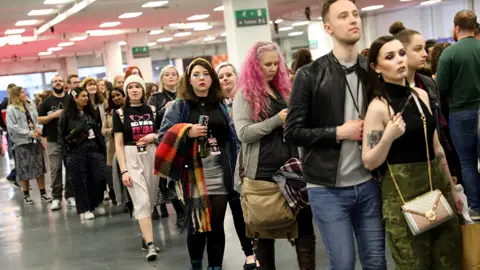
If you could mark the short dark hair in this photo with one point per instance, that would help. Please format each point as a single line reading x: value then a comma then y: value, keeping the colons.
x: 185, y: 89
x: 326, y: 8
x: 436, y: 53
x: 466, y: 20
x: 69, y: 79
x: 302, y: 57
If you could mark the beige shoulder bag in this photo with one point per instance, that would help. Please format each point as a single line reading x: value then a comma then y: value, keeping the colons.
x: 427, y: 210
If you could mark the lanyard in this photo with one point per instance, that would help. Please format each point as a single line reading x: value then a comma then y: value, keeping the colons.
x: 347, y: 71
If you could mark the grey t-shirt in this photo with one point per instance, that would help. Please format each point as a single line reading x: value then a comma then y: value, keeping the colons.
x: 351, y: 170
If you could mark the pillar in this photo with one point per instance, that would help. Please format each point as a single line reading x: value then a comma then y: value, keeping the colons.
x: 320, y: 41
x: 178, y: 63
x: 141, y: 60
x: 112, y: 59
x: 240, y: 38
x: 68, y: 65
x: 286, y: 47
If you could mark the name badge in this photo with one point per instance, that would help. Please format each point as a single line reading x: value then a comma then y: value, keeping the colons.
x: 141, y: 148
x: 91, y: 134
x: 215, y: 149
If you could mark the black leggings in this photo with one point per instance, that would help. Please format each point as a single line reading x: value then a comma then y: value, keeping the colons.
x: 215, y: 239
x: 239, y: 222
x: 266, y: 247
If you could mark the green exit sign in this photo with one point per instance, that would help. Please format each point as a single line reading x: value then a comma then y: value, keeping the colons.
x: 251, y: 17
x: 141, y: 52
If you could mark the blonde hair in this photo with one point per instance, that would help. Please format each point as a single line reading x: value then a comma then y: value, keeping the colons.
x: 162, y: 73
x: 13, y: 98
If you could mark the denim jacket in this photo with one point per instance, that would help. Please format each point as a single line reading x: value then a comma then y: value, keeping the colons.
x: 179, y: 113
x: 17, y: 124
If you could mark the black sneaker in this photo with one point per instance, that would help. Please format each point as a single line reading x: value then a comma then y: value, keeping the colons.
x: 13, y: 181
x: 45, y: 198
x: 27, y: 200
x: 151, y: 252
x: 145, y: 247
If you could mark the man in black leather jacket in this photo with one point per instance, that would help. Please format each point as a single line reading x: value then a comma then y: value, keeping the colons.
x: 327, y: 105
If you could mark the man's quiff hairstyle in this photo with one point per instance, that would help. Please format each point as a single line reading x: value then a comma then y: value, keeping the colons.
x: 326, y: 8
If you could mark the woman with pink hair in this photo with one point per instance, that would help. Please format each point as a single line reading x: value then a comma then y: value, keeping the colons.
x: 259, y: 112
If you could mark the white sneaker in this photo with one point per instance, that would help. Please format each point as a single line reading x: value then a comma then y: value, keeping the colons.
x: 105, y: 196
x: 89, y: 215
x: 100, y: 210
x: 71, y: 202
x: 55, y: 205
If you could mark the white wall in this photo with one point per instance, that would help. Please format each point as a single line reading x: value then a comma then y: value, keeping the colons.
x: 433, y: 22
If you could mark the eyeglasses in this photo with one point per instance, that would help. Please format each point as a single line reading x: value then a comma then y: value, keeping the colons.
x: 197, y: 76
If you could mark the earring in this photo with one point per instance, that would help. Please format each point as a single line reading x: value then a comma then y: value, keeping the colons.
x: 379, y: 75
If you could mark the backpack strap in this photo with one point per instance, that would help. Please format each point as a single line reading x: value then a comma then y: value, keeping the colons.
x: 120, y: 114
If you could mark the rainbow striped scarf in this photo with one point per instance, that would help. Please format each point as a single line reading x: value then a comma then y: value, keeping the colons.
x: 177, y: 158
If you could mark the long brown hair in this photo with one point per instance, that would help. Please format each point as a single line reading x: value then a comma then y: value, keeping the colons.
x: 13, y: 98
x: 185, y: 89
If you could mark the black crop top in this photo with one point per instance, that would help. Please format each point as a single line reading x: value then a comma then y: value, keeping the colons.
x: 410, y: 147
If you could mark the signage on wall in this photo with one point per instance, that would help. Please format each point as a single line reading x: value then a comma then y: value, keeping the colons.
x: 140, y: 52
x: 313, y: 44
x: 251, y: 17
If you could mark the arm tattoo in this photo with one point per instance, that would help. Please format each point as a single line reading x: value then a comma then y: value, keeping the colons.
x: 374, y: 137
x: 441, y: 156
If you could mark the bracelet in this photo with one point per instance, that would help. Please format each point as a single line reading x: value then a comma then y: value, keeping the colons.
x: 124, y: 172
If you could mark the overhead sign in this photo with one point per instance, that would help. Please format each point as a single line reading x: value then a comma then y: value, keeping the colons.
x: 141, y: 52
x: 251, y: 17
x: 313, y: 44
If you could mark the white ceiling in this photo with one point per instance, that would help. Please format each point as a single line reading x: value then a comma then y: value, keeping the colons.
x: 176, y: 11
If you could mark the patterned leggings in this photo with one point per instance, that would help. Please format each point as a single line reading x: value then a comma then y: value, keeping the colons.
x: 86, y: 165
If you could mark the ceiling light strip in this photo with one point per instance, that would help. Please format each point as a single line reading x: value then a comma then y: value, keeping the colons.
x: 61, y: 17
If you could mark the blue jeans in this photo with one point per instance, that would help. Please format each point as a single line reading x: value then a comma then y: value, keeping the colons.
x: 342, y: 213
x: 463, y: 129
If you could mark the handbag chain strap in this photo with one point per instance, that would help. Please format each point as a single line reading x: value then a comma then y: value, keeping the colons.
x: 424, y: 120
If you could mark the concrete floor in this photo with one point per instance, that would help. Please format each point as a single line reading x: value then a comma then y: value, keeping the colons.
x: 33, y: 237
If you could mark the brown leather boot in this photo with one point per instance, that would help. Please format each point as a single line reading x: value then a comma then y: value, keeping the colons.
x: 305, y: 246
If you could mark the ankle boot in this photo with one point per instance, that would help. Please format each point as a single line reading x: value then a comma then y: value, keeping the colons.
x: 196, y: 265
x: 266, y: 254
x: 305, y: 246
x: 164, y: 210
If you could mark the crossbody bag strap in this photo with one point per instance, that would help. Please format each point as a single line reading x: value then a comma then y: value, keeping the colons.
x: 422, y: 115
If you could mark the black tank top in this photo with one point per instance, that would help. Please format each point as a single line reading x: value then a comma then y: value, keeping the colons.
x: 410, y: 147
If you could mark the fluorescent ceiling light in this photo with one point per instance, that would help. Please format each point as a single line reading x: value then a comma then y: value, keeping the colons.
x: 79, y: 38
x: 61, y: 17
x: 209, y: 39
x: 430, y: 2
x: 198, y: 17
x: 293, y: 34
x: 122, y: 43
x: 40, y: 12
x: 286, y: 28
x: 55, y: 49
x: 300, y: 23
x: 182, y: 34
x: 203, y: 28
x: 14, y: 31
x: 220, y: 8
x: 101, y: 33
x: 188, y: 25
x: 405, y: 0
x: 14, y: 40
x: 65, y: 44
x: 156, y: 32
x: 223, y: 34
x: 3, y: 41
x: 154, y: 4
x: 370, y: 8
x: 44, y: 53
x: 56, y: 2
x: 130, y: 15
x: 109, y: 24
x: 27, y: 22
x: 278, y: 21
x: 150, y: 44
x: 164, y: 39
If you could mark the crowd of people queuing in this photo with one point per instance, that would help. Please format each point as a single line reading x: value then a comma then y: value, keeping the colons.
x: 370, y: 131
